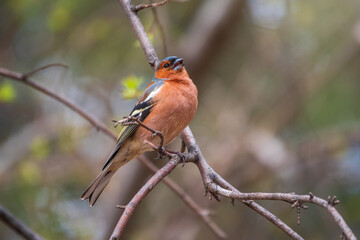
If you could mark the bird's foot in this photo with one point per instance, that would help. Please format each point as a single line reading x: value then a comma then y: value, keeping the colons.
x: 162, y: 153
x: 181, y: 155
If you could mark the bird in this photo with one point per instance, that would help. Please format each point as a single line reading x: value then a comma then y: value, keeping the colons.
x: 168, y: 104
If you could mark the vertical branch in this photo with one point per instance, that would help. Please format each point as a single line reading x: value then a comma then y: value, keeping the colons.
x: 140, y: 33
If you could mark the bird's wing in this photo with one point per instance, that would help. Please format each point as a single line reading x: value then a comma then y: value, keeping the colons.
x: 142, y: 109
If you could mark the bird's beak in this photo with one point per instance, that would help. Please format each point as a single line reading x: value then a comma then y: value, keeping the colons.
x: 178, y: 64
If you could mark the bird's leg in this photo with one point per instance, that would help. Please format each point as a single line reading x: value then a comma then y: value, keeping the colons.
x: 181, y: 154
x: 160, y: 149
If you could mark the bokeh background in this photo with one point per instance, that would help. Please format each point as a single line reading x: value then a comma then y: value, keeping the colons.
x: 279, y: 111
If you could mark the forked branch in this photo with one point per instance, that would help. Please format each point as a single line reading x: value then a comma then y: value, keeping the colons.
x: 213, y: 182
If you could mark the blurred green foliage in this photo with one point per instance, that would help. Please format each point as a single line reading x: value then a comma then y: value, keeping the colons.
x: 288, y: 67
x: 131, y: 87
x: 7, y: 92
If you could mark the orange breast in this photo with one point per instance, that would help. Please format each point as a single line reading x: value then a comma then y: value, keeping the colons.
x: 176, y: 106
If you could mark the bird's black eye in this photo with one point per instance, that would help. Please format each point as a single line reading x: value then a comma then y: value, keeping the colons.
x: 166, y: 65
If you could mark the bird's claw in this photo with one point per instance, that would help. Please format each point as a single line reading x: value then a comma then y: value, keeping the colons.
x: 182, y: 157
x: 160, y: 156
x: 162, y: 152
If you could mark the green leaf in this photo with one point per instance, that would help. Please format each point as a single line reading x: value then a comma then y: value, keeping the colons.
x: 7, y: 92
x: 131, y: 87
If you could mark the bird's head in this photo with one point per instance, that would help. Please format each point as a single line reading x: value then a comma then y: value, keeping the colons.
x: 170, y: 66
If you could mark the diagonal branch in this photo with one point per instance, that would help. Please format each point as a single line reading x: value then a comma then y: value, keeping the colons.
x: 17, y: 225
x: 25, y: 79
x: 130, y: 120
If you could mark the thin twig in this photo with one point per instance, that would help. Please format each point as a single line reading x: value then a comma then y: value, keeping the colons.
x: 143, y: 6
x: 23, y: 78
x: 130, y: 120
x: 17, y: 225
x: 291, y: 198
x: 51, y: 65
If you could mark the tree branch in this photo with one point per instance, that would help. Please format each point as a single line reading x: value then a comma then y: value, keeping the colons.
x: 17, y: 225
x: 214, y: 182
x: 209, y: 177
x: 140, y: 33
x: 25, y: 79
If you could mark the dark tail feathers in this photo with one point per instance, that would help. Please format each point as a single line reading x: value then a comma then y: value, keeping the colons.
x: 97, y: 186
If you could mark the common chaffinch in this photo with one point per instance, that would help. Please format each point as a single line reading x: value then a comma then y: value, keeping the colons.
x: 168, y: 104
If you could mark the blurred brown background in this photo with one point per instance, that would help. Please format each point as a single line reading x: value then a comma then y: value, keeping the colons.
x: 279, y: 97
